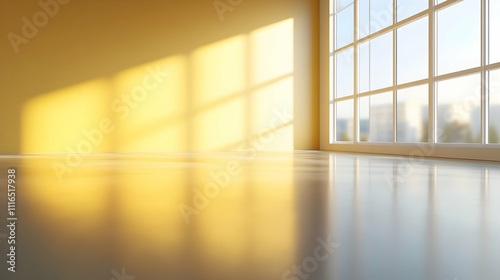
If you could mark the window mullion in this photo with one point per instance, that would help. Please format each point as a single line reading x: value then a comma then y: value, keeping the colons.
x: 432, y: 133
x: 484, y: 76
x: 355, y: 93
x: 394, y: 75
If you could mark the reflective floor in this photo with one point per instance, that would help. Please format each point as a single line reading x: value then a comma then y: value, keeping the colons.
x: 301, y: 215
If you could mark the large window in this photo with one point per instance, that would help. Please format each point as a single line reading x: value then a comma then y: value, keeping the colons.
x: 415, y: 71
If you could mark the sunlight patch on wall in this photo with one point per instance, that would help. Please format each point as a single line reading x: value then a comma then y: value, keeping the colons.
x: 220, y: 126
x: 272, y: 108
x: 155, y: 118
x: 220, y: 97
x: 219, y: 71
x: 272, y: 51
x: 55, y: 121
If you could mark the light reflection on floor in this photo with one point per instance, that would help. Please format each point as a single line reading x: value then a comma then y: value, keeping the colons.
x: 388, y: 217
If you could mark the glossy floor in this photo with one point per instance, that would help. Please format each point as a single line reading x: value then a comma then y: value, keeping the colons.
x: 301, y: 215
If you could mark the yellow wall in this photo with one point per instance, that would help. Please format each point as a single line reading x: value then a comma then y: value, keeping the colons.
x: 85, y: 79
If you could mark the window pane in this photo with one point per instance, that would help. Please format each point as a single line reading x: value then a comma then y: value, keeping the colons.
x: 408, y: 8
x: 345, y: 73
x: 412, y: 114
x: 363, y: 18
x: 380, y: 15
x: 494, y: 31
x: 364, y: 67
x: 413, y: 51
x: 459, y: 110
x: 345, y: 120
x: 375, y: 63
x: 459, y: 37
x: 364, y: 119
x: 373, y: 16
x: 494, y: 119
x: 381, y: 53
x: 345, y: 27
x: 341, y: 4
x: 381, y: 117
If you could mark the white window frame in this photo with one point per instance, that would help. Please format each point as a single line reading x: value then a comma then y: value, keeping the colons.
x: 480, y: 151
